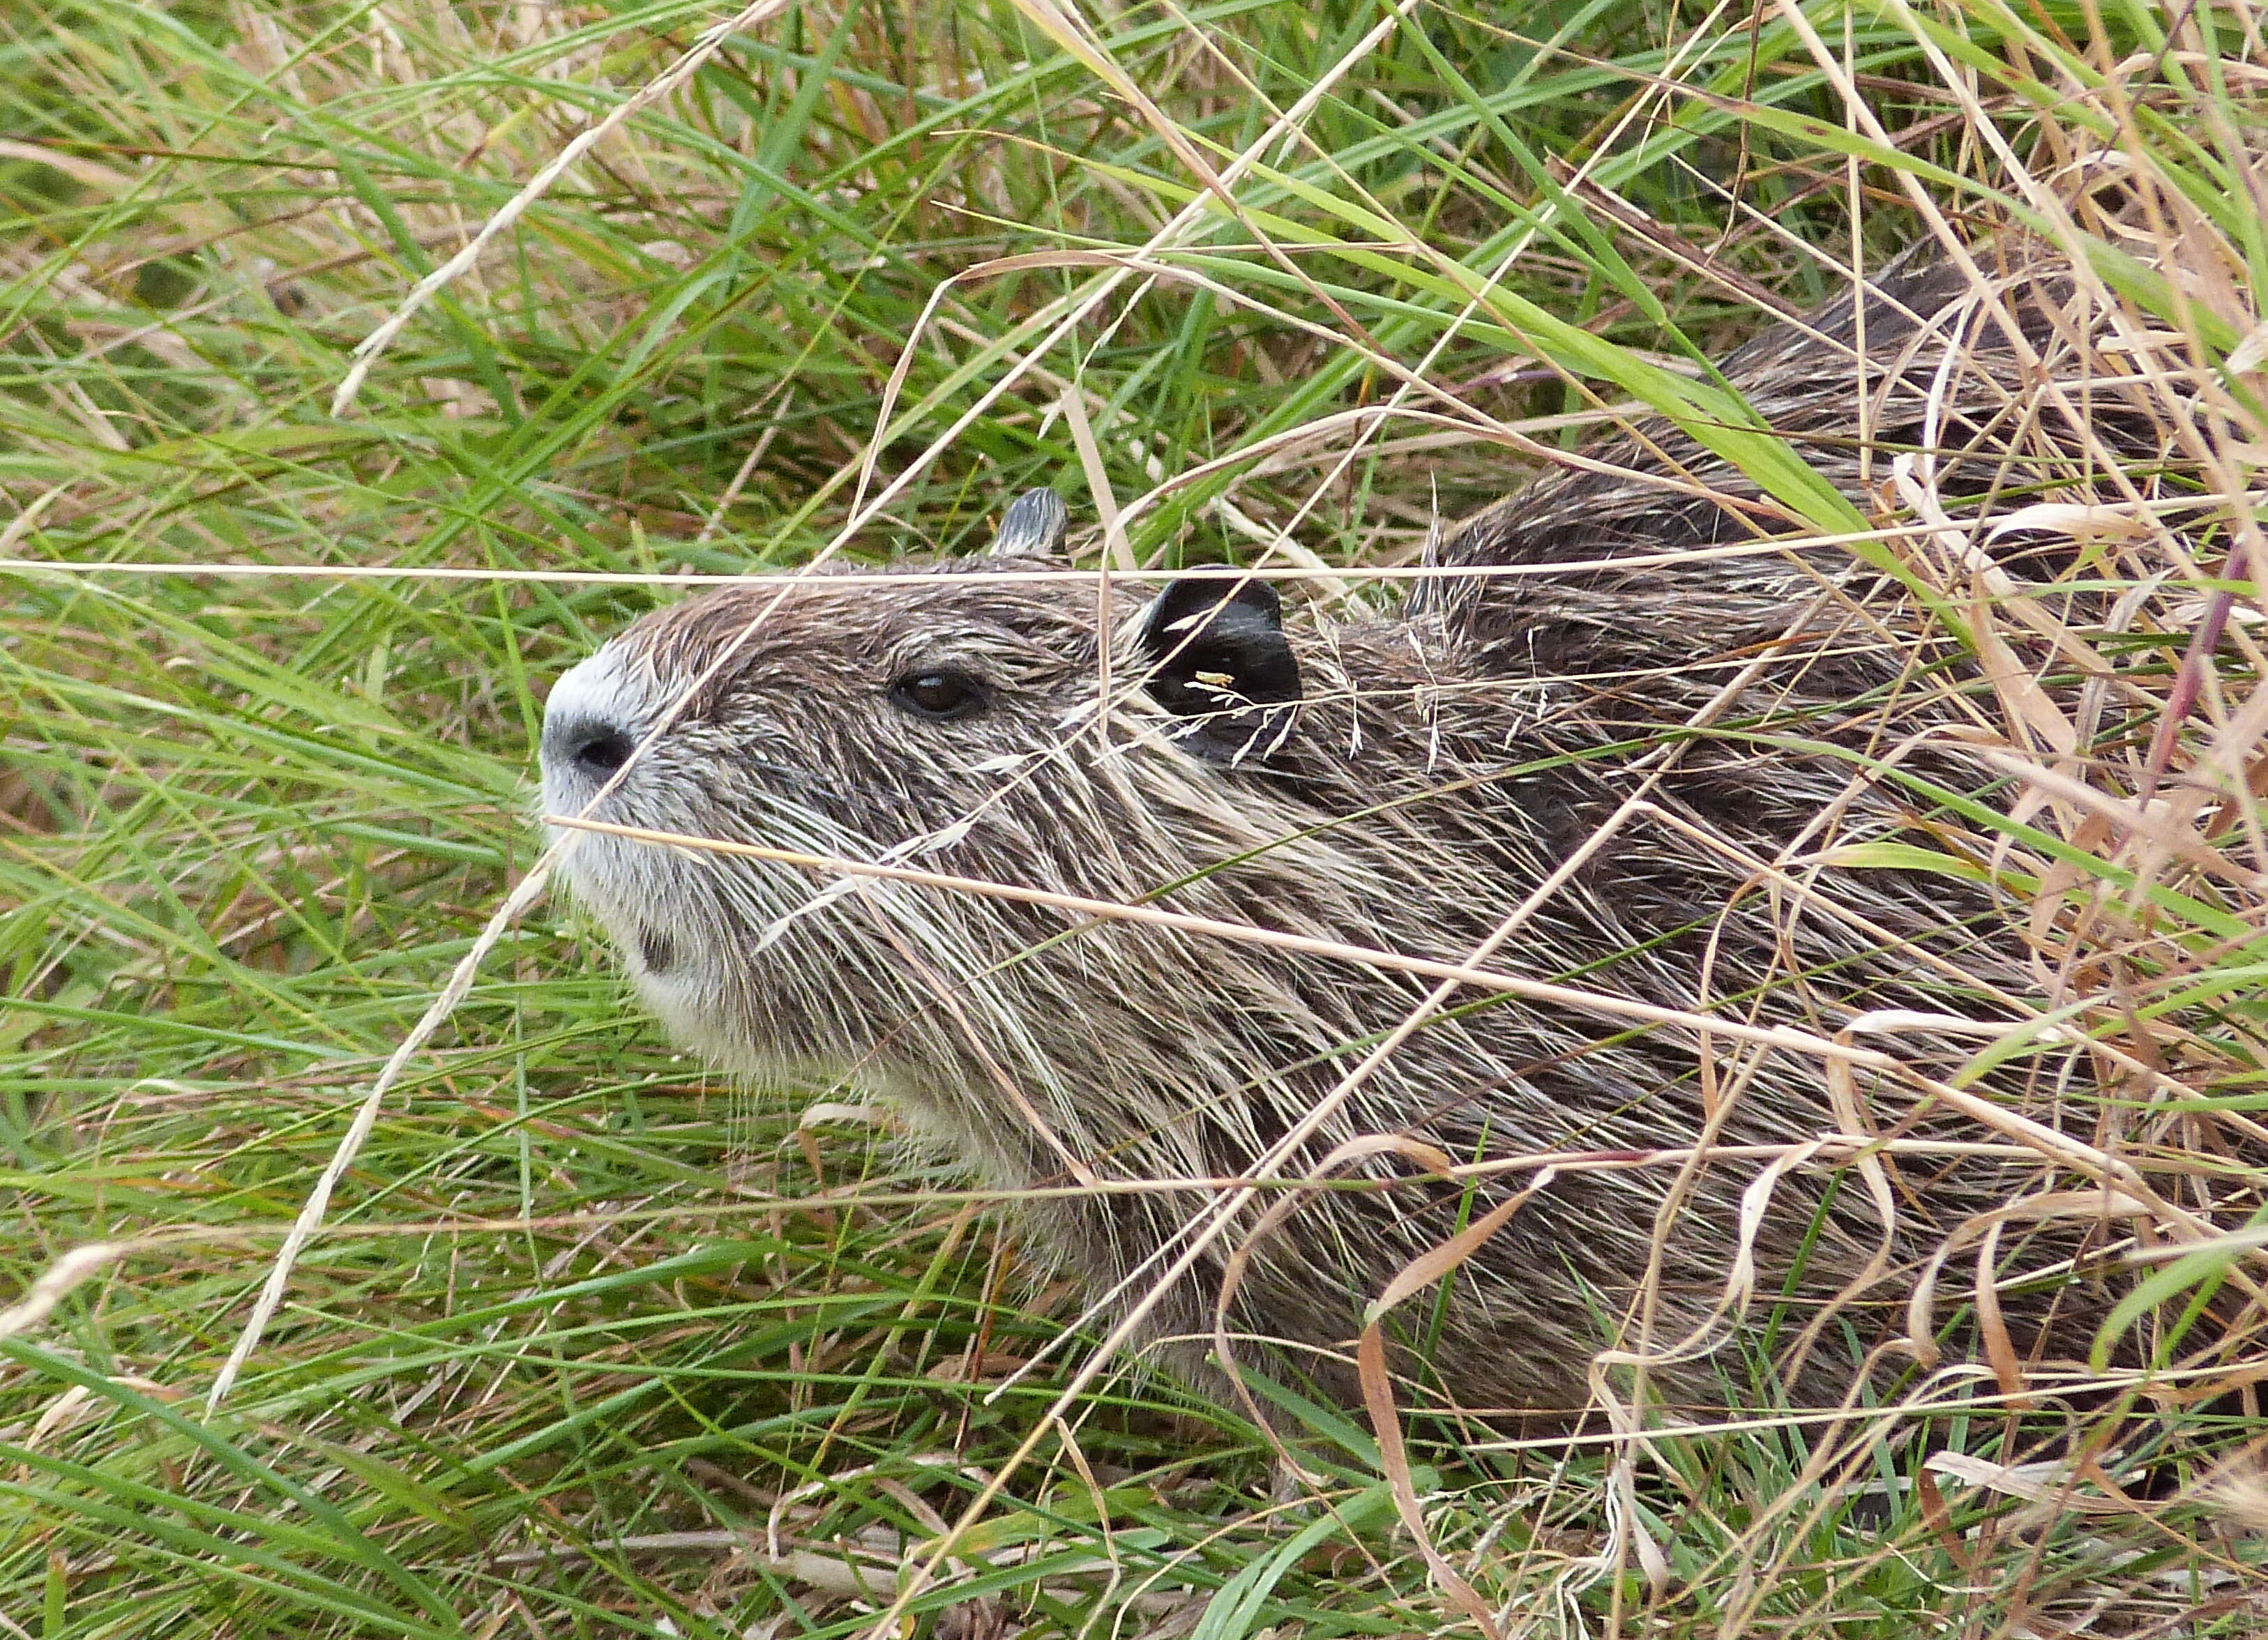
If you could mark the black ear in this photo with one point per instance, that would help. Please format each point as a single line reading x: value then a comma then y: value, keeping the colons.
x: 1032, y: 527
x: 1218, y: 659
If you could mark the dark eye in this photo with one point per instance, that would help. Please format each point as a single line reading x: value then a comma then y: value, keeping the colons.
x: 941, y: 695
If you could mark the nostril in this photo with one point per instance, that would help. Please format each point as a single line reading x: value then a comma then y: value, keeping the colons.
x: 593, y: 722
x: 601, y: 751
x: 592, y: 746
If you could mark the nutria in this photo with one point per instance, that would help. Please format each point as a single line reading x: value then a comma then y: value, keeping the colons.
x: 1751, y: 728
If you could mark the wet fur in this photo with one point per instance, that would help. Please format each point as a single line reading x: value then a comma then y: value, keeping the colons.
x: 1446, y: 757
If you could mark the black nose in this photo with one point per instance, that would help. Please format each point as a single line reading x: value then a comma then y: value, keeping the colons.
x: 591, y: 745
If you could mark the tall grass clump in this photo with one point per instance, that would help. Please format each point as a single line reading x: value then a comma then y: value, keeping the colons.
x: 591, y: 1342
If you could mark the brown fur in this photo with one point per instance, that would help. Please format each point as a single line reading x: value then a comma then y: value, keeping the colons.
x: 1446, y: 759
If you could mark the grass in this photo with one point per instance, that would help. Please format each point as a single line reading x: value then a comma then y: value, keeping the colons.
x: 594, y: 1343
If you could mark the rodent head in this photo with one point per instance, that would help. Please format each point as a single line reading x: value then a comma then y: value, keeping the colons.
x: 947, y: 721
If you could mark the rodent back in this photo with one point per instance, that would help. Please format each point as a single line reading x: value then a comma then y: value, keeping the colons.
x: 1991, y: 393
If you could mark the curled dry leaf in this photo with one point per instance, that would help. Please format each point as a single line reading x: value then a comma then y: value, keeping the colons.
x: 2079, y: 522
x: 2051, y: 1482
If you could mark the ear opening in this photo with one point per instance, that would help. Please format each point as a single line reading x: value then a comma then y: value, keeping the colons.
x: 1218, y: 660
x: 1032, y: 527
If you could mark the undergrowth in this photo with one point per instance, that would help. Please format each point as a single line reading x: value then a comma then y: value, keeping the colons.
x: 594, y: 1342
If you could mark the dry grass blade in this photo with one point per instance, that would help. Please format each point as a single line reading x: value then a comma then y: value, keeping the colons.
x: 524, y: 895
x: 55, y: 1282
x: 1456, y: 973
x: 372, y: 347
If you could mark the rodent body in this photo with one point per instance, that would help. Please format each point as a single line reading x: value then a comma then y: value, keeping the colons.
x: 1402, y: 783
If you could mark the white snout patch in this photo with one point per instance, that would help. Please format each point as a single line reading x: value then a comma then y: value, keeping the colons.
x: 601, y: 687
x: 600, y: 690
